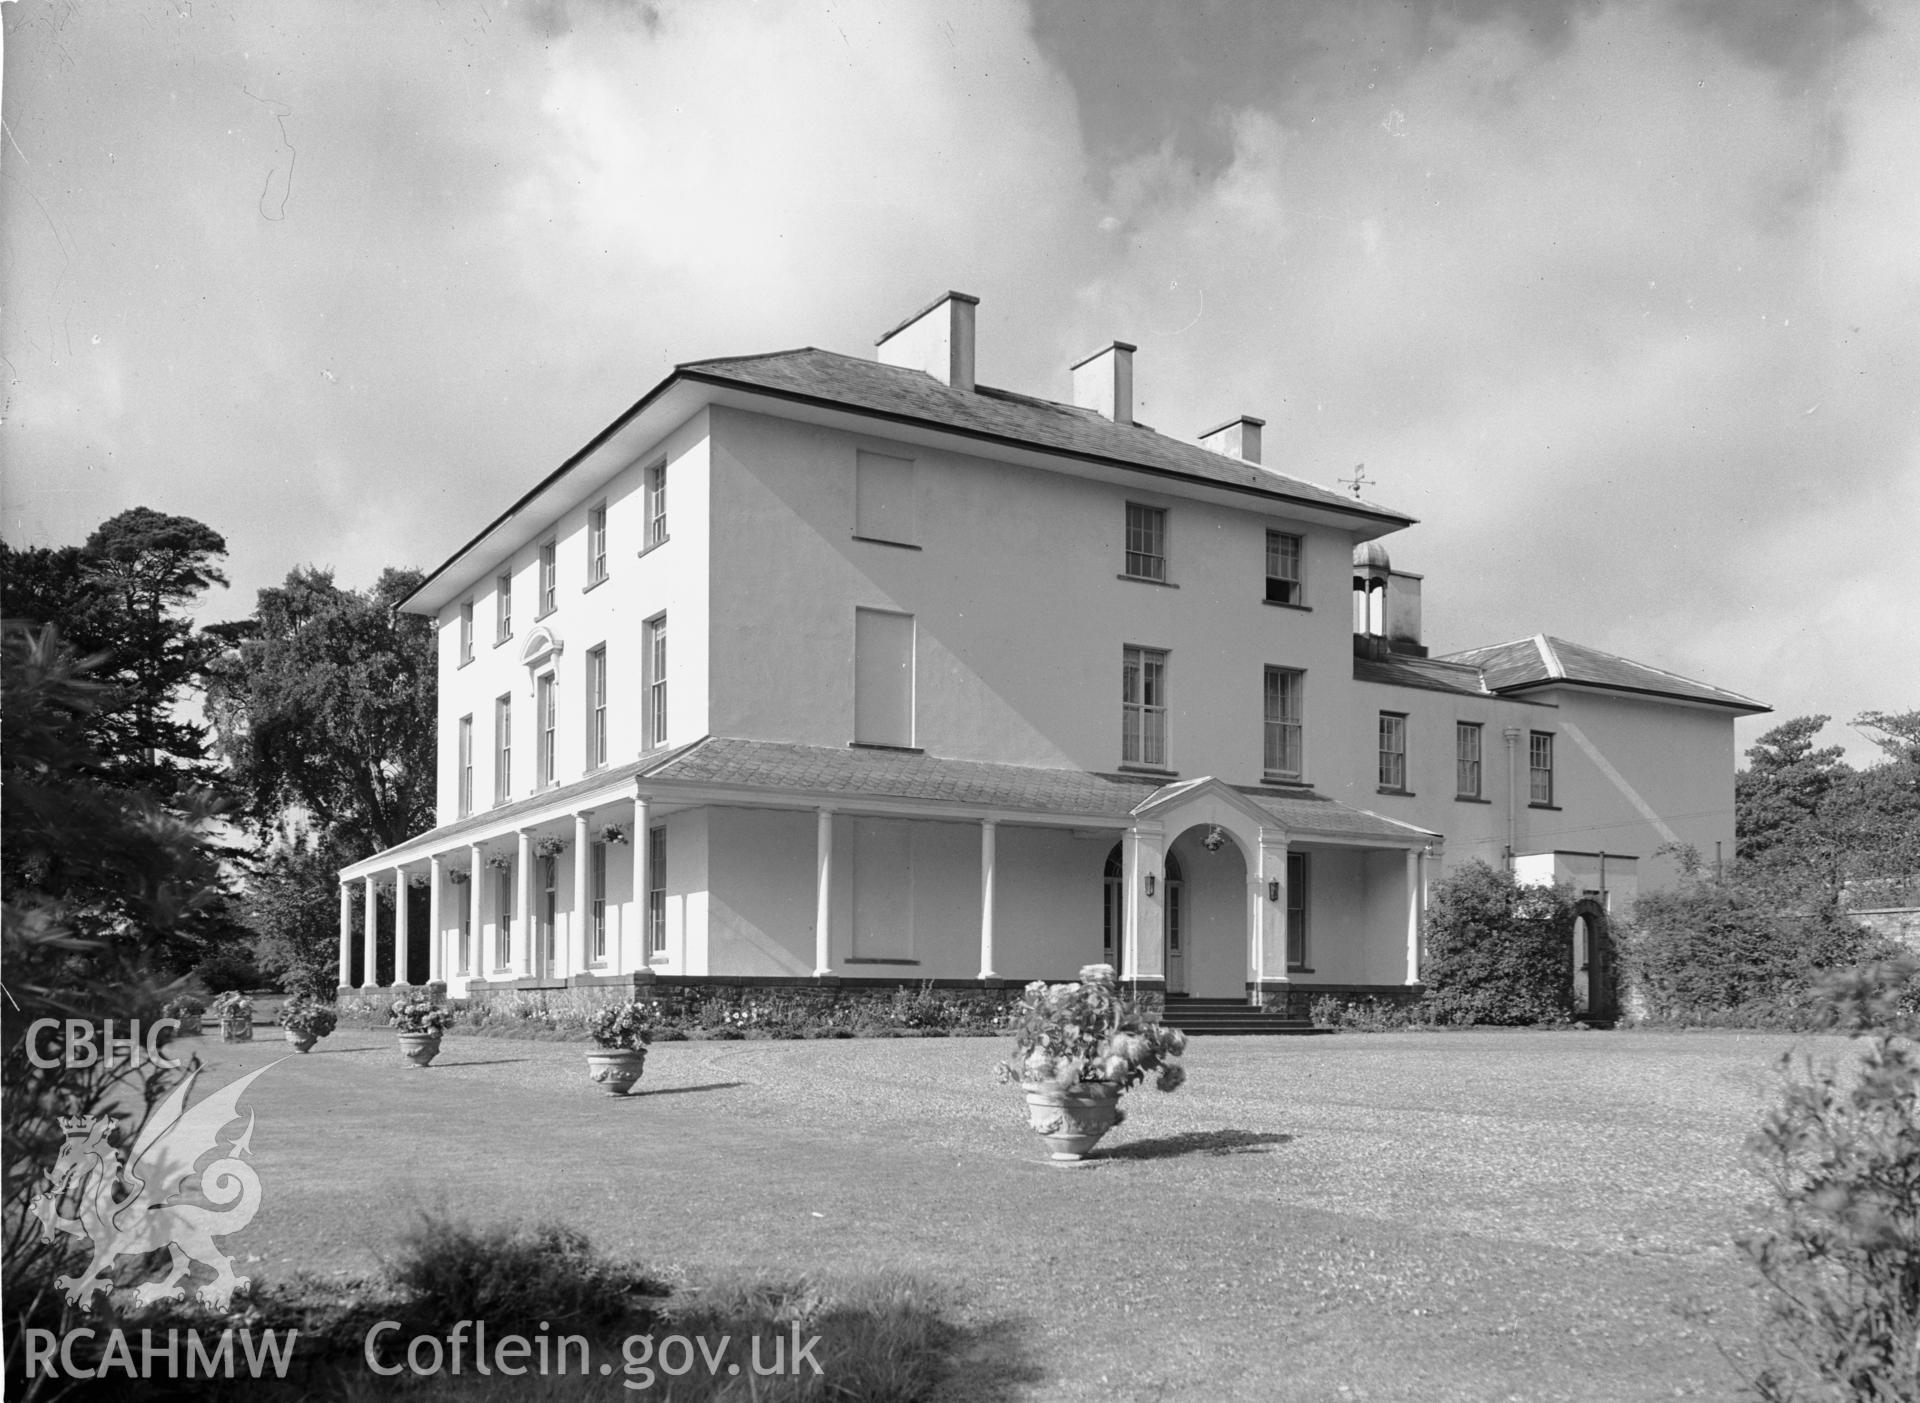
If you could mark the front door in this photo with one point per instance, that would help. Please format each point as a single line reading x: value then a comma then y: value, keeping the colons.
x: 1176, y: 915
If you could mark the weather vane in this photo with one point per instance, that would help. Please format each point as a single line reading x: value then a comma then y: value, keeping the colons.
x: 1358, y: 480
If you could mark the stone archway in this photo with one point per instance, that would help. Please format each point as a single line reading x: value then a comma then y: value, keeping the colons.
x: 1591, y: 963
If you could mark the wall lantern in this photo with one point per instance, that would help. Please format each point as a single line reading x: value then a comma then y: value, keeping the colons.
x: 1273, y: 891
x: 1149, y: 884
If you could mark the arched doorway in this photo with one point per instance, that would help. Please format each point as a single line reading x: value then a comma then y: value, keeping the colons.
x: 1592, y: 963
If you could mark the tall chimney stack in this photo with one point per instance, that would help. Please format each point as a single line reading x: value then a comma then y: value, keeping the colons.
x: 937, y: 339
x: 1103, y: 382
x: 1237, y: 438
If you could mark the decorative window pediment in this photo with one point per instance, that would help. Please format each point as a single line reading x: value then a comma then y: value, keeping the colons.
x: 543, y: 646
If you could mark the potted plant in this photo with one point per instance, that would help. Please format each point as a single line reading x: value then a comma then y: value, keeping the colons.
x: 1076, y: 1048
x: 187, y: 1010
x: 420, y: 1022
x: 623, y: 1032
x: 304, y: 1020
x: 235, y: 1012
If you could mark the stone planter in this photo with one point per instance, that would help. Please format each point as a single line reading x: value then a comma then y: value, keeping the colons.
x: 236, y: 1030
x: 1072, y: 1119
x: 300, y: 1042
x: 420, y: 1048
x: 616, y: 1068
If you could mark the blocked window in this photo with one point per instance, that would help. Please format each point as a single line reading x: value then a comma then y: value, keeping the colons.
x: 884, y: 505
x: 882, y: 677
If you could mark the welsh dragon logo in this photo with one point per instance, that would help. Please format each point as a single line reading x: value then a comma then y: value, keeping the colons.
x: 136, y: 1207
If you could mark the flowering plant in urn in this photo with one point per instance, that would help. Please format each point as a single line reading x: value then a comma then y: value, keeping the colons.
x: 1077, y: 1047
x: 622, y: 1026
x: 414, y: 1014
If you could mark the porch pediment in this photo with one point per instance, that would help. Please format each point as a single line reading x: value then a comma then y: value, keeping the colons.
x: 1199, y: 799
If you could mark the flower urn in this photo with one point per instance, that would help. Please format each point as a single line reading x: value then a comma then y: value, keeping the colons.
x: 298, y: 1041
x: 236, y: 1030
x: 420, y: 1048
x: 1071, y: 1119
x: 189, y: 1025
x: 616, y: 1068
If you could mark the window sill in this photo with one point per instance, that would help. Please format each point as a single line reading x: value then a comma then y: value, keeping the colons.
x: 1300, y: 969
x: 503, y: 640
x: 874, y: 960
x: 1285, y: 782
x: 1147, y: 580
x: 1390, y: 789
x: 546, y: 613
x: 881, y: 745
x: 591, y: 585
x: 1282, y: 604
x: 650, y: 548
x: 659, y: 959
x: 1550, y: 808
x: 881, y: 541
x: 467, y: 661
x: 1470, y: 799
x: 1149, y: 770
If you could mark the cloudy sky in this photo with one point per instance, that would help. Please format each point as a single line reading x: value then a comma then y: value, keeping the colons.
x: 1621, y: 299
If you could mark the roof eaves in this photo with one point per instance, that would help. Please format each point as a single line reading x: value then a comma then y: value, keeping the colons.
x: 1278, y: 490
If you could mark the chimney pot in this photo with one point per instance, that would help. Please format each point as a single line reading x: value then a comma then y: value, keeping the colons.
x: 1237, y: 438
x: 1103, y: 382
x: 937, y: 339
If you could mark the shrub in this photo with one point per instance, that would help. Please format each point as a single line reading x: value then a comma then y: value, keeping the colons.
x: 1739, y: 952
x: 228, y: 969
x: 1842, y: 1159
x: 1367, y: 1014
x: 510, y: 1275
x: 1496, y: 951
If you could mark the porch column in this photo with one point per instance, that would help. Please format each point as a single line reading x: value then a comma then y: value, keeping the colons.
x: 523, y: 904
x: 436, y: 934
x: 369, y: 940
x: 582, y: 893
x: 987, y: 827
x: 823, y: 894
x: 402, y: 964
x: 346, y: 936
x: 1416, y: 902
x: 635, y: 953
x: 1143, y: 950
x: 1270, y: 943
x: 477, y: 965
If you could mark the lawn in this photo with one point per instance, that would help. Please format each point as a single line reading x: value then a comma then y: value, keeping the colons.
x: 1425, y: 1216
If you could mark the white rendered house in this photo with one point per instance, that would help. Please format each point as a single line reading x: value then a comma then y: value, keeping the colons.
x: 811, y: 669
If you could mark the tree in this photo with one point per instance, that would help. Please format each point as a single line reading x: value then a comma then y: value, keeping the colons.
x: 121, y: 598
x: 324, y: 706
x: 1779, y: 800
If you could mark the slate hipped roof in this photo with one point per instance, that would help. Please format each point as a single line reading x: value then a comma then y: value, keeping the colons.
x: 1009, y: 419
x: 1541, y: 661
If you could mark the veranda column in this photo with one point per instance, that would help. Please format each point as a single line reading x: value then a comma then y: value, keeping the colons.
x: 523, y: 904
x: 1270, y: 946
x: 402, y: 947
x: 436, y: 934
x: 823, y: 894
x: 1416, y: 882
x: 582, y: 894
x: 1143, y: 946
x: 370, y: 940
x: 634, y: 926
x: 476, y: 941
x: 987, y: 826
x: 346, y: 936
